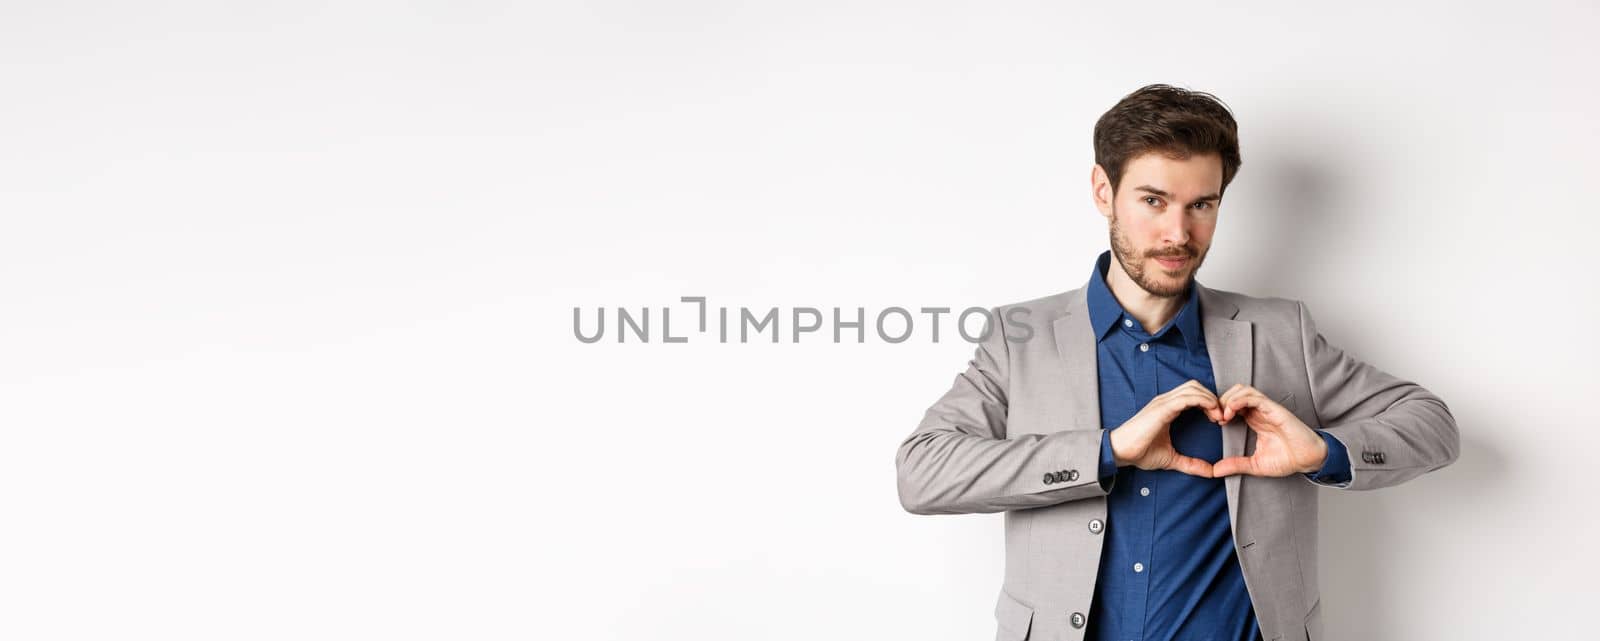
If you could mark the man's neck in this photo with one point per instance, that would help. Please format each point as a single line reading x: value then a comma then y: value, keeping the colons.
x: 1153, y: 312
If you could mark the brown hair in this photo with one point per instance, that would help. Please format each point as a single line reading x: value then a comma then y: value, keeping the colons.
x: 1162, y: 118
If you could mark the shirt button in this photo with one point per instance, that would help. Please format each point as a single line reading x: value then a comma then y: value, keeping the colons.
x: 1138, y: 567
x: 1144, y: 347
x: 1144, y: 491
x: 1096, y: 525
x: 1076, y: 619
x: 1127, y: 322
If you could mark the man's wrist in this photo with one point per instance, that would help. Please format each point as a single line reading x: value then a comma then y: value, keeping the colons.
x: 1108, y: 459
x: 1335, y: 466
x: 1322, y: 460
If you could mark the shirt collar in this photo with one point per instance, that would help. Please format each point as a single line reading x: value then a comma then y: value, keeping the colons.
x: 1105, y: 312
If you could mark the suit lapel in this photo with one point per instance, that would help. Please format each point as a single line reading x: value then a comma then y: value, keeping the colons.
x: 1228, y: 342
x: 1080, y: 358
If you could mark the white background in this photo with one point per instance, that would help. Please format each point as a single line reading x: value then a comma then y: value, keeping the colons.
x: 287, y: 295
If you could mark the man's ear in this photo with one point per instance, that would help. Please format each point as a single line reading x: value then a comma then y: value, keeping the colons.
x: 1100, y: 190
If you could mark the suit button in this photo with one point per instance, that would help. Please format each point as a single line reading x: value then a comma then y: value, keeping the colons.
x: 1077, y: 619
x: 1049, y: 478
x: 1072, y: 475
x: 1095, y: 525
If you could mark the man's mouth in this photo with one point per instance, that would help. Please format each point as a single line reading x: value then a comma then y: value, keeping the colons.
x: 1173, y: 262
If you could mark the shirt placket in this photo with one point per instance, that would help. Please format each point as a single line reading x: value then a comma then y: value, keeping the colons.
x: 1145, y: 385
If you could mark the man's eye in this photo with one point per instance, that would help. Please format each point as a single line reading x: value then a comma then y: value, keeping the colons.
x: 1151, y: 201
x: 1202, y: 205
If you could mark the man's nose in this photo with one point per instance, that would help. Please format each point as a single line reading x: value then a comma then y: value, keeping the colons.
x: 1176, y: 230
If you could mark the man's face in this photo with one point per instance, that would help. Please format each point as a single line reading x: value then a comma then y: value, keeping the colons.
x: 1162, y: 218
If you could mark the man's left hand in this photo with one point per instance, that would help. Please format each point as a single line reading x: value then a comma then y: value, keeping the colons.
x: 1284, y: 444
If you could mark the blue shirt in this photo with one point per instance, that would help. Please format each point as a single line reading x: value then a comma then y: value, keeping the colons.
x: 1168, y: 569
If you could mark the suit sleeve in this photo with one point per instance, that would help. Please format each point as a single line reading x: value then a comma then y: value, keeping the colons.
x: 1393, y: 429
x: 960, y: 459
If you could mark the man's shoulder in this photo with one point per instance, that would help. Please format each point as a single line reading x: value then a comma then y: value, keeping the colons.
x: 1044, y: 308
x: 1270, y: 310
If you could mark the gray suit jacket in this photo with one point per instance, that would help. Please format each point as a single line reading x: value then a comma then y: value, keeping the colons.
x: 1019, y: 432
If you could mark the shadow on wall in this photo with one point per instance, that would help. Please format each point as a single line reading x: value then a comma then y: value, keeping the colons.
x: 1366, y: 537
x: 1298, y: 213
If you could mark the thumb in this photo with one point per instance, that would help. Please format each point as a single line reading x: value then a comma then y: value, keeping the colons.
x: 1234, y: 465
x: 1191, y: 466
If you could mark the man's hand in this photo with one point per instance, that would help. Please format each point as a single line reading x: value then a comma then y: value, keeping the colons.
x: 1146, y: 439
x: 1284, y: 444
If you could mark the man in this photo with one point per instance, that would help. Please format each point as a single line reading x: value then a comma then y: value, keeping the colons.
x: 1158, y: 446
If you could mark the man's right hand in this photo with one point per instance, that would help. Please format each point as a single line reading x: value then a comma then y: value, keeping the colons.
x: 1145, y: 440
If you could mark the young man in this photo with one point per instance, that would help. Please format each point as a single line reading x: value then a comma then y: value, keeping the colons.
x: 1157, y: 446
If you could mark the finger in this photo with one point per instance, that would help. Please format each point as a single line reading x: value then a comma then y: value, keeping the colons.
x: 1189, y: 394
x: 1222, y: 402
x: 1216, y: 414
x: 1177, y: 391
x: 1191, y: 466
x: 1262, y: 406
x: 1237, y: 400
x: 1197, y: 397
x: 1202, y: 387
x: 1214, y: 411
x: 1176, y: 404
x: 1234, y: 465
x: 1232, y: 393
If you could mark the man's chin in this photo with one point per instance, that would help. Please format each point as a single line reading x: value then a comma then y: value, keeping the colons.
x: 1167, y: 286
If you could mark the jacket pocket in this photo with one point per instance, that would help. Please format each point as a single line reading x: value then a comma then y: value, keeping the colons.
x: 1014, y: 618
x: 1314, y: 621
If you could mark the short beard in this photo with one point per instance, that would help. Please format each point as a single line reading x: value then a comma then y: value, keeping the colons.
x: 1122, y: 248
